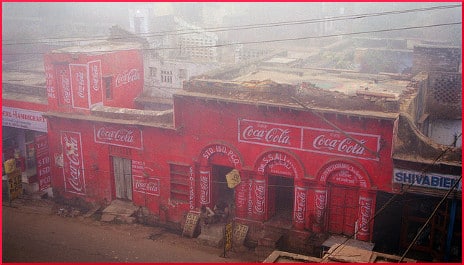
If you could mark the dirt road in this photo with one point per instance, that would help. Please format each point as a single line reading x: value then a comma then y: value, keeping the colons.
x: 32, y: 232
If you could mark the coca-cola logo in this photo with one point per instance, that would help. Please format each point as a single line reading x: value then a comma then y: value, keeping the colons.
x: 300, y: 202
x: 80, y: 84
x: 118, y: 135
x: 365, y: 210
x: 320, y: 201
x: 345, y: 145
x: 148, y: 186
x: 127, y: 77
x: 74, y: 173
x: 318, y: 140
x: 260, y: 195
x: 204, y: 187
x: 272, y: 135
x: 66, y: 89
x: 96, y: 77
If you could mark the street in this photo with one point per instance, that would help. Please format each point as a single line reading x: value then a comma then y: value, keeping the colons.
x: 32, y: 232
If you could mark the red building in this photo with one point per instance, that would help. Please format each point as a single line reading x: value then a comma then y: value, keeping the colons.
x: 308, y: 159
x: 317, y: 169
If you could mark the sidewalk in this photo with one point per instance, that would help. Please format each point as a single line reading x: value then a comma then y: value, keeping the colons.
x: 34, y: 232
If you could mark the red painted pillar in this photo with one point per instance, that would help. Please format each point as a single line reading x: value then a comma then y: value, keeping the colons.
x: 241, y: 197
x: 259, y: 198
x: 366, y: 210
x: 299, y: 207
x: 204, y: 191
x: 320, y: 205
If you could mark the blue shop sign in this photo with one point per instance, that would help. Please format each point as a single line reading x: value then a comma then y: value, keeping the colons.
x: 428, y: 180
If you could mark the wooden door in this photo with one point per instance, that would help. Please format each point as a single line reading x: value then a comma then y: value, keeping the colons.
x: 343, y: 210
x: 123, y: 177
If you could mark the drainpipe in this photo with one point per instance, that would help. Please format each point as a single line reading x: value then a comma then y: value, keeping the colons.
x: 449, y: 235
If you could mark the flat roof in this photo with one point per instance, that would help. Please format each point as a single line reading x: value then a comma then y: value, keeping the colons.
x: 329, y: 90
x: 348, y: 83
x: 104, y: 46
x: 24, y: 78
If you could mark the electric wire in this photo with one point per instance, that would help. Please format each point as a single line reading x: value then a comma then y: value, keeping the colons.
x: 429, y: 219
x: 403, y: 191
x: 268, y: 41
x: 244, y: 27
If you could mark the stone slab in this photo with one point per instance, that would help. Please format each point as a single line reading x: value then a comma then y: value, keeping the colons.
x: 212, y: 235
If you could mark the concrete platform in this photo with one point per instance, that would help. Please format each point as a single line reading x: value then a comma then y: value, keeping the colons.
x: 212, y: 235
x: 119, y: 210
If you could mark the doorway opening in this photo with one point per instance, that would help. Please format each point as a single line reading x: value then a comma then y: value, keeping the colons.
x: 220, y: 191
x: 122, y: 171
x: 281, y: 191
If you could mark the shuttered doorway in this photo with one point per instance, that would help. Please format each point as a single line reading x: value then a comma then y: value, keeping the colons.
x: 122, y: 169
x: 343, y: 210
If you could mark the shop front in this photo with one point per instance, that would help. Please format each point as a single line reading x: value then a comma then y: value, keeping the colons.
x: 433, y: 205
x: 25, y: 140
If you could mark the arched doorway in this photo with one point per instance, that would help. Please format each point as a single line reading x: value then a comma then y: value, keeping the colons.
x: 281, y: 197
x: 279, y: 191
x: 349, y: 200
x: 217, y: 160
x: 219, y: 189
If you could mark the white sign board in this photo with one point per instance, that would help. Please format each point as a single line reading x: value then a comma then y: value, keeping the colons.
x: 24, y: 119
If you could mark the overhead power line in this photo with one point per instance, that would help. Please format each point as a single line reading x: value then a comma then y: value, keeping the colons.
x: 429, y: 219
x: 241, y: 27
x: 282, y: 40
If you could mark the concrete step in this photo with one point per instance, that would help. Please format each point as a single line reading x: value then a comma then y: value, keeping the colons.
x: 212, y: 235
x: 270, y: 239
x: 121, y: 211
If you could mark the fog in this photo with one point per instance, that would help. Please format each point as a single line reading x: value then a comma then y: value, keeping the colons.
x: 26, y: 24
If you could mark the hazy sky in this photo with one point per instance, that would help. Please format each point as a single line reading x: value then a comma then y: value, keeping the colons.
x: 51, y: 19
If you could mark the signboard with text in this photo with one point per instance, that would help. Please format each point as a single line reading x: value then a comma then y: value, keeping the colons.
x: 125, y: 136
x: 143, y: 183
x: 95, y: 82
x: 73, y: 162
x: 79, y: 86
x: 426, y: 180
x: 43, y: 161
x: 316, y: 140
x: 23, y: 119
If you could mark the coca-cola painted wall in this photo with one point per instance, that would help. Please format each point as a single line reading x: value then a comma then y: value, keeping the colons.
x: 125, y: 136
x: 78, y: 81
x: 257, y: 141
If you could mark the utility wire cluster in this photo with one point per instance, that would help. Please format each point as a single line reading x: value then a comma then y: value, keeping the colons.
x: 240, y: 27
x: 254, y: 26
x: 403, y: 191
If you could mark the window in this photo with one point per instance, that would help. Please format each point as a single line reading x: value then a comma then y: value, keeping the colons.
x: 108, y: 86
x: 180, y: 183
x: 166, y: 76
x: 182, y: 73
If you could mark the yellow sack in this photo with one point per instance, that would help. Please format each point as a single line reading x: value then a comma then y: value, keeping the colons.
x: 10, y: 166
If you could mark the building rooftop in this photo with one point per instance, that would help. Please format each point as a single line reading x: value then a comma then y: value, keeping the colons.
x: 336, y: 91
x: 24, y: 85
